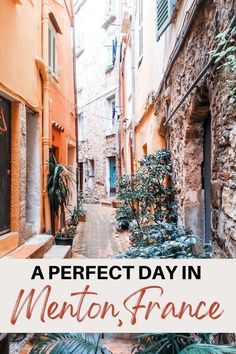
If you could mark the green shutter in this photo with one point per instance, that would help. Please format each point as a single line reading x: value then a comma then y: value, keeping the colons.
x: 54, y: 55
x: 49, y: 47
x: 164, y: 12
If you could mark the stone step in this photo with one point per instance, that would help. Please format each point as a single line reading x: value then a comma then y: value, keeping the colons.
x: 35, y: 247
x: 8, y: 243
x: 29, y: 230
x: 106, y: 202
x: 58, y: 252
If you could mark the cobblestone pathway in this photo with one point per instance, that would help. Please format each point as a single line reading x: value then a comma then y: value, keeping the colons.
x: 97, y: 237
x: 119, y: 346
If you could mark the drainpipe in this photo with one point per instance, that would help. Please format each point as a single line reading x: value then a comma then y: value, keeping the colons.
x: 76, y: 106
x: 133, y: 92
x: 42, y: 67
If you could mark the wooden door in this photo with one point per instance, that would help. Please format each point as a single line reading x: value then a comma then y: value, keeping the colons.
x: 5, y: 165
x: 112, y: 174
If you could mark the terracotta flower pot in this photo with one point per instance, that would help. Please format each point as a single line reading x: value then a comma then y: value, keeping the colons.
x: 82, y: 218
x: 115, y: 204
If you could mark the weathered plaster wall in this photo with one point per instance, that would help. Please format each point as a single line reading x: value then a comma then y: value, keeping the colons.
x: 186, y: 130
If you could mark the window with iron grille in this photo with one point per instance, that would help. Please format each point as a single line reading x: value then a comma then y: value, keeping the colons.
x: 165, y: 10
x: 52, y: 50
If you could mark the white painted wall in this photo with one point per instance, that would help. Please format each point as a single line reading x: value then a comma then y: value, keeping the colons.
x: 149, y: 74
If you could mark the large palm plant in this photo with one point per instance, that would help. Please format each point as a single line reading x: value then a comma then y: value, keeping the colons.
x: 69, y: 343
x: 58, y: 188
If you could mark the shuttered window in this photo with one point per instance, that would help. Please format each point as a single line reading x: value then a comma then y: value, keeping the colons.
x: 52, y: 50
x: 165, y: 10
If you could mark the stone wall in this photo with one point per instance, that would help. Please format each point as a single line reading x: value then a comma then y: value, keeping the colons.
x: 18, y: 169
x: 187, y: 126
x: 97, y: 81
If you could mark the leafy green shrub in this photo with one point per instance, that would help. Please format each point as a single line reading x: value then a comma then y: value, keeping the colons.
x: 165, y: 240
x: 146, y: 196
x: 225, y: 57
x: 123, y: 217
x: 148, y: 208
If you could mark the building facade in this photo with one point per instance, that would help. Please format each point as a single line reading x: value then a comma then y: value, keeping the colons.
x: 37, y: 111
x: 97, y: 88
x: 21, y: 116
x: 182, y: 102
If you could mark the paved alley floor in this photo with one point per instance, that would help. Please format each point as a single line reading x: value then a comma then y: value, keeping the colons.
x: 97, y: 237
x: 119, y: 346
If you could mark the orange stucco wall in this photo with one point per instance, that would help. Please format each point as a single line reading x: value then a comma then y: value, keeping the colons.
x: 20, y: 83
x: 20, y: 34
x: 21, y: 41
x: 147, y: 136
x: 62, y: 108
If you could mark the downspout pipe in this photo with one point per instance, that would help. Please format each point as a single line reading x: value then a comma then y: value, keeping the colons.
x: 76, y: 105
x: 133, y: 91
x: 42, y: 67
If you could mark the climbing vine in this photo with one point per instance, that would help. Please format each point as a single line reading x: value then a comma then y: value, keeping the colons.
x: 225, y: 57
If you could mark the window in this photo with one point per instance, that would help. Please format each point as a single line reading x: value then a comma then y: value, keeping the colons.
x: 110, y: 13
x: 81, y: 126
x: 111, y: 114
x: 111, y: 53
x: 140, y: 28
x: 52, y: 51
x: 165, y: 10
x: 91, y: 168
x: 110, y: 7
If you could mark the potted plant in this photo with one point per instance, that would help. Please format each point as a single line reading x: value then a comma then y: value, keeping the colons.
x: 58, y: 188
x: 115, y: 203
x: 81, y: 212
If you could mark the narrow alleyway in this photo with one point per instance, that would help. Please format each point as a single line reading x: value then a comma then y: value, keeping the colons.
x: 97, y: 237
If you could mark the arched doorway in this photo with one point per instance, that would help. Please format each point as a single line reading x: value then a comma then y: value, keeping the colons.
x: 197, y: 167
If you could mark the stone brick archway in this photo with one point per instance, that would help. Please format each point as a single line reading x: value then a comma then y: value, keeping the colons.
x: 197, y: 166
